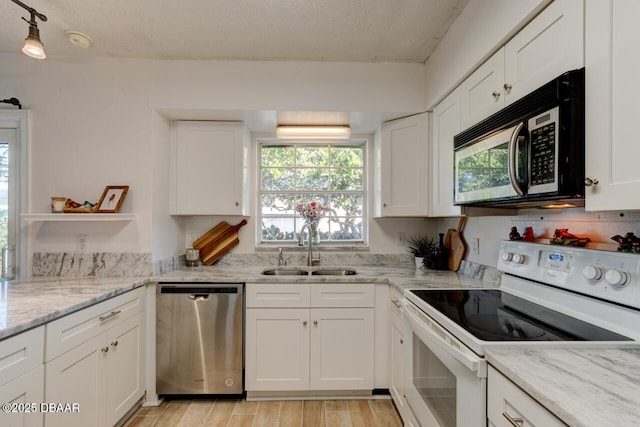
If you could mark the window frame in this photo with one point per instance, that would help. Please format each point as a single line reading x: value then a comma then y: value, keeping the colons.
x: 334, y: 244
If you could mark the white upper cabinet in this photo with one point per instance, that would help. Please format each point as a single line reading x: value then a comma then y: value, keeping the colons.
x: 445, y: 124
x: 612, y: 93
x: 551, y: 44
x: 208, y: 168
x: 548, y: 46
x: 481, y: 92
x: 402, y: 168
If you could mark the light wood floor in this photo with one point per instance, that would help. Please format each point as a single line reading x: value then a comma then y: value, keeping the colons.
x: 298, y: 413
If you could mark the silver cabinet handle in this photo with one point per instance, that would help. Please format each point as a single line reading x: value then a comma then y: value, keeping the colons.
x: 104, y: 349
x: 588, y: 182
x: 495, y: 94
x: 315, y: 323
x: 237, y: 204
x: 110, y: 315
x: 396, y: 302
x: 401, y: 341
x: 507, y: 87
x: 114, y: 343
x: 384, y: 205
x: 515, y: 422
x: 304, y: 323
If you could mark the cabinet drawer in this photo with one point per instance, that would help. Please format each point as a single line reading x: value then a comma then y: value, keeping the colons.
x: 20, y: 354
x: 69, y: 331
x: 508, y: 404
x: 278, y: 295
x: 342, y: 295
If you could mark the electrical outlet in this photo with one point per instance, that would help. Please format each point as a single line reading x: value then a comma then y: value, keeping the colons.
x: 402, y: 238
x: 191, y: 237
x: 81, y: 242
x: 475, y: 245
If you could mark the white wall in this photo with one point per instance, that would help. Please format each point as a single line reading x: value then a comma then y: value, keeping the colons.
x: 102, y: 121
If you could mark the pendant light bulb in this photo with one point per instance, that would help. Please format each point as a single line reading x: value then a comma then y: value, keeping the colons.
x: 33, y: 46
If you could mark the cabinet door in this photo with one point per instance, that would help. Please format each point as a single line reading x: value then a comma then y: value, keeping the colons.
x: 78, y: 376
x: 124, y: 367
x: 27, y: 388
x: 612, y: 93
x: 342, y: 349
x: 277, y: 349
x: 397, y: 364
x: 548, y: 46
x: 208, y: 168
x: 445, y: 125
x: 404, y: 167
x: 481, y: 92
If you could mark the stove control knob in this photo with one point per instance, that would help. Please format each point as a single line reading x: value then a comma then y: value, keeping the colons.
x: 616, y: 278
x: 591, y: 272
x: 518, y: 258
x: 506, y: 256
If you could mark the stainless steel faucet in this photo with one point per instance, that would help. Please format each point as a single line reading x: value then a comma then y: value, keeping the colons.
x: 311, y: 261
x: 282, y: 261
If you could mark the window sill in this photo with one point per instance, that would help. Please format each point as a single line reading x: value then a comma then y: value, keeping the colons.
x: 288, y: 247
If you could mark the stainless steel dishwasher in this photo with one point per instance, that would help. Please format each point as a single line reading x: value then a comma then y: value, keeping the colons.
x: 199, y: 338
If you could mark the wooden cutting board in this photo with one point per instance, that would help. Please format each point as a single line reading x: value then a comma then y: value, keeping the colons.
x: 218, y: 241
x: 458, y: 248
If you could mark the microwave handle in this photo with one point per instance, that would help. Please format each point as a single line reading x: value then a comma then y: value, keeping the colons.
x: 513, y: 158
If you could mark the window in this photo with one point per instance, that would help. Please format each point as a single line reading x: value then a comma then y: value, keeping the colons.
x: 293, y: 173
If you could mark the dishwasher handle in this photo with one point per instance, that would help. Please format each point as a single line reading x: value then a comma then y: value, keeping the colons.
x: 199, y: 297
x: 199, y: 290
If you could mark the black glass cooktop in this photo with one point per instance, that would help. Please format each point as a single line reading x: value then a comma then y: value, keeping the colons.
x: 493, y: 315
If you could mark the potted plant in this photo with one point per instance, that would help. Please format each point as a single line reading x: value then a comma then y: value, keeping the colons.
x: 421, y: 247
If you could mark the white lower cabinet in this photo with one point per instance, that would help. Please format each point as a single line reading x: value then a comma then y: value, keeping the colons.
x: 103, y: 373
x: 508, y: 405
x: 22, y: 378
x: 309, y: 337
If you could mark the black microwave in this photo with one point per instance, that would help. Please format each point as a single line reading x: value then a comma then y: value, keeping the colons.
x: 529, y: 154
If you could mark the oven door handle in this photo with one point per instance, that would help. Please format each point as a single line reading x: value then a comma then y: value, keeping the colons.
x: 513, y: 159
x: 442, y: 339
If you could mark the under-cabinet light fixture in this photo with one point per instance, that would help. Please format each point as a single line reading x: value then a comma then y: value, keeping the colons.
x: 33, y: 46
x: 313, y: 132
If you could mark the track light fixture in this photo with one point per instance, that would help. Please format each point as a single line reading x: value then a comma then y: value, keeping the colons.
x: 33, y: 46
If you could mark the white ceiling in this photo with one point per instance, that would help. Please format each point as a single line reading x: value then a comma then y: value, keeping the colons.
x: 308, y: 30
x: 403, y: 31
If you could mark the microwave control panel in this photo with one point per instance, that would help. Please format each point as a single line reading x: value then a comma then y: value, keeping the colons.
x: 543, y: 152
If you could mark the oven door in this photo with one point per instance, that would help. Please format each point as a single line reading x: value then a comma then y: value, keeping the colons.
x: 446, y: 381
x: 491, y: 168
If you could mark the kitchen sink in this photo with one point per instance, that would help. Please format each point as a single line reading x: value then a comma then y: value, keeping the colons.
x: 285, y: 272
x: 335, y: 272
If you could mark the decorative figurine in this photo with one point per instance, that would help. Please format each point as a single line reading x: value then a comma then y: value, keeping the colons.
x: 514, y: 235
x: 528, y: 235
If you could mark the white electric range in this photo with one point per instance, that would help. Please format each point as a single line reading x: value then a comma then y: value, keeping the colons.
x: 550, y: 296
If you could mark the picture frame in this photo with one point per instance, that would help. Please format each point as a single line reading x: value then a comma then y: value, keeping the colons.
x: 112, y: 198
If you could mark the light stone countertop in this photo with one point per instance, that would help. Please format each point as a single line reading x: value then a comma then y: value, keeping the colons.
x: 25, y: 304
x: 582, y: 387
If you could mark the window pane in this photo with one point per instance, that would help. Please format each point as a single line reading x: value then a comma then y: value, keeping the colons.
x: 278, y: 204
x: 347, y: 179
x: 312, y: 156
x: 277, y: 179
x: 277, y: 155
x: 278, y: 229
x: 347, y: 157
x: 312, y: 179
x: 345, y: 228
x: 347, y: 204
